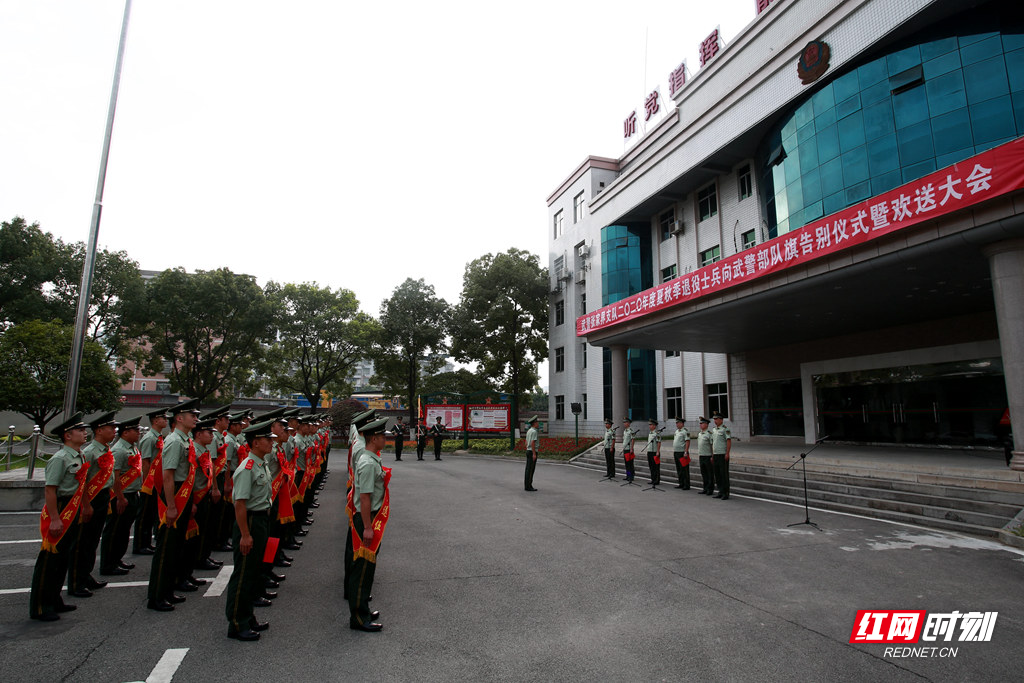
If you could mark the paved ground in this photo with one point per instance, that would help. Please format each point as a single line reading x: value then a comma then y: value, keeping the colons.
x: 581, y: 581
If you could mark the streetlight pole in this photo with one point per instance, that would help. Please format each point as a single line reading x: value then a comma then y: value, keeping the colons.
x: 85, y: 291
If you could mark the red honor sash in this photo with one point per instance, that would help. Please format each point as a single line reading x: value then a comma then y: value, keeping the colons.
x: 181, y: 498
x: 67, y: 515
x: 206, y: 465
x: 379, y: 522
x: 154, y: 467
x: 106, y: 464
x: 133, y: 472
x: 222, y: 459
x: 285, y: 512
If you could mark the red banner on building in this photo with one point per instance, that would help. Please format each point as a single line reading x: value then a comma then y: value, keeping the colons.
x: 980, y: 178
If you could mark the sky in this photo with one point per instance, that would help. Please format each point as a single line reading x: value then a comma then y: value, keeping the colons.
x: 349, y: 144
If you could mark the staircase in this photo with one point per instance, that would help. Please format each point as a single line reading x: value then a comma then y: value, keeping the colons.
x: 975, y: 503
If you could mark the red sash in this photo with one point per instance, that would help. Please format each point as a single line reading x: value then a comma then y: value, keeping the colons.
x: 106, y: 464
x: 67, y: 515
x: 307, y: 477
x: 181, y: 498
x: 133, y: 472
x: 206, y: 465
x: 154, y: 467
x: 222, y: 459
x: 285, y: 513
x: 379, y: 522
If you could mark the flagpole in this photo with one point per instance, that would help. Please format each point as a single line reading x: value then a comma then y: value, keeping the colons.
x: 85, y: 291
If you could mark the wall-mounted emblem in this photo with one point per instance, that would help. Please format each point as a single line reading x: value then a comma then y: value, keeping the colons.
x: 813, y: 61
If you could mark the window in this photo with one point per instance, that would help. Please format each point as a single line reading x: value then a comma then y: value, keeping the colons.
x: 559, y: 313
x: 143, y: 386
x: 560, y: 359
x: 668, y: 273
x: 559, y: 267
x: 671, y: 354
x: 718, y: 398
x: 673, y: 403
x: 583, y: 303
x: 583, y: 354
x: 559, y: 407
x: 584, y: 406
x: 559, y: 224
x: 666, y: 222
x: 746, y: 182
x: 749, y: 239
x: 707, y: 202
x: 709, y: 256
x: 577, y: 208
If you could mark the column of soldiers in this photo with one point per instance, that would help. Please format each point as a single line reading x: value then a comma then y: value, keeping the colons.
x: 713, y: 449
x: 189, y: 483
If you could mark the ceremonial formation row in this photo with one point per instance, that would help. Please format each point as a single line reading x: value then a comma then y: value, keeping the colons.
x: 174, y: 483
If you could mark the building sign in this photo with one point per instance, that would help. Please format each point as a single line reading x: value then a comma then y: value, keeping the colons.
x: 451, y: 416
x: 489, y: 418
x: 762, y: 5
x: 629, y: 126
x: 677, y: 79
x: 813, y: 61
x: 969, y: 182
x: 710, y: 47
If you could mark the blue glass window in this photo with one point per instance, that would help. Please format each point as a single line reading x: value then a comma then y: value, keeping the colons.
x: 883, y: 156
x: 855, y: 165
x: 946, y: 93
x: 915, y: 143
x: 910, y: 107
x: 992, y: 120
x: 1015, y: 69
x: 878, y: 120
x: 942, y: 65
x: 952, y: 131
x: 986, y: 80
x: 851, y: 132
x: 903, y: 60
x: 937, y: 48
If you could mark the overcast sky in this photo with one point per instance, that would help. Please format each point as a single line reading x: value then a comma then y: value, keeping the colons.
x: 350, y: 144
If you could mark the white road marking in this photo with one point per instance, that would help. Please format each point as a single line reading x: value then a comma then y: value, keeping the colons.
x: 31, y: 540
x: 164, y: 670
x: 219, y: 583
x: 120, y: 584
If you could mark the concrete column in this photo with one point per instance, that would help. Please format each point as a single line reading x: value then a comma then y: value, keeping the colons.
x: 1006, y: 261
x: 620, y: 384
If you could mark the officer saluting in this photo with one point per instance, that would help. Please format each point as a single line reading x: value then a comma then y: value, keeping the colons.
x: 627, y: 447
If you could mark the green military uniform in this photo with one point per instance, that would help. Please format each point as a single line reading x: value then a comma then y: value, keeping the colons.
x: 627, y: 450
x: 367, y: 478
x: 114, y: 543
x: 532, y: 452
x: 83, y: 557
x: 681, y: 453
x: 149, y: 445
x: 609, y: 449
x: 62, y: 471
x: 707, y: 472
x: 653, y: 453
x: 720, y: 444
x: 251, y: 489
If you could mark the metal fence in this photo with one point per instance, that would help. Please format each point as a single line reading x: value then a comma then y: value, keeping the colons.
x: 26, y: 453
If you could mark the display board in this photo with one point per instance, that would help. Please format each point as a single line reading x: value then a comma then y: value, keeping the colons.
x: 489, y: 417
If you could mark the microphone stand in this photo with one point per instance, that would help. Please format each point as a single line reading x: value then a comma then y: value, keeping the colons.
x: 803, y: 460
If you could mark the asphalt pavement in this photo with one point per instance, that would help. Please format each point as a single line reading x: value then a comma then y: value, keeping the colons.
x: 584, y: 580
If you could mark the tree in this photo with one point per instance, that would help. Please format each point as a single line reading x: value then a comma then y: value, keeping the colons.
x: 538, y: 400
x: 460, y: 381
x: 210, y: 327
x: 34, y: 372
x: 321, y: 335
x: 28, y: 261
x: 501, y: 321
x: 414, y: 324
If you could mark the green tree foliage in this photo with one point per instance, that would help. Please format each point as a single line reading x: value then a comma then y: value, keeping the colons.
x: 414, y: 325
x: 537, y: 400
x: 321, y: 335
x: 211, y: 327
x: 29, y: 260
x: 460, y: 381
x: 501, y: 321
x: 34, y: 369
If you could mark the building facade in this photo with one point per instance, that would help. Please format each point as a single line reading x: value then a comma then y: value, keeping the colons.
x: 824, y: 237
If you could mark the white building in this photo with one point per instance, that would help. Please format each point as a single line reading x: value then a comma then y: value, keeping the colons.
x: 824, y: 235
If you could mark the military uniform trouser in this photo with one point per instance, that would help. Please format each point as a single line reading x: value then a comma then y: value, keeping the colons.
x: 168, y: 559
x: 682, y: 471
x: 707, y: 474
x: 629, y: 459
x: 50, y: 570
x: 83, y: 557
x: 114, y: 542
x: 359, y: 584
x: 655, y: 465
x: 246, y: 582
x: 275, y: 529
x: 145, y: 522
x: 421, y: 445
x: 721, y: 466
x: 437, y: 447
x: 399, y: 442
x: 609, y: 462
x: 531, y: 467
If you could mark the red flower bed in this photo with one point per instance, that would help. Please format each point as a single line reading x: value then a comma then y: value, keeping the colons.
x: 564, y: 446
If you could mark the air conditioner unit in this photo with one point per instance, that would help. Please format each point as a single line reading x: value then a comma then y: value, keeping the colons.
x: 677, y: 227
x: 583, y: 250
x: 581, y: 276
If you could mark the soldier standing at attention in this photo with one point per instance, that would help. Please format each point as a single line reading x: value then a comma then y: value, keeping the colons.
x: 609, y: 448
x: 421, y: 438
x: 654, y: 452
x: 681, y: 454
x: 174, y: 506
x: 532, y: 450
x: 627, y: 448
x: 66, y: 472
x: 124, y: 507
x: 251, y: 493
x: 399, y: 432
x: 150, y: 446
x: 438, y: 431
x: 369, y: 519
x: 97, y: 453
x: 707, y: 473
x: 721, y: 444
